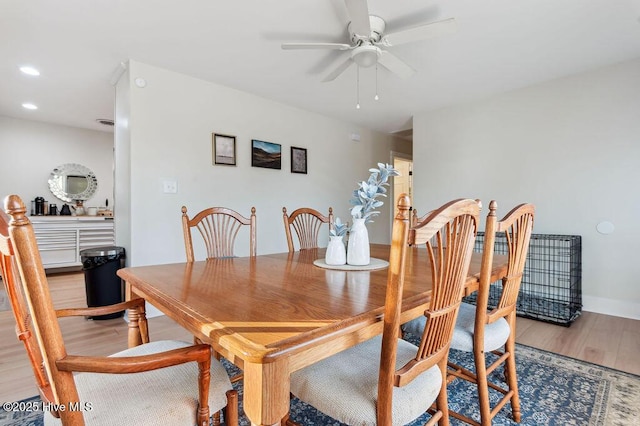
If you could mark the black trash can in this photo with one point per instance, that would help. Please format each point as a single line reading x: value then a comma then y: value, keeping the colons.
x: 102, y: 285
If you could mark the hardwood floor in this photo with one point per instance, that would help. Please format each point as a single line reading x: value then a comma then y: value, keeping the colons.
x: 601, y: 339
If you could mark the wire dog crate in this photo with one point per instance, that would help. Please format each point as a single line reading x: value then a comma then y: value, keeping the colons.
x: 551, y: 288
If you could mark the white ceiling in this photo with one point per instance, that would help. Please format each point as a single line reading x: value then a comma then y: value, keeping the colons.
x: 499, y: 45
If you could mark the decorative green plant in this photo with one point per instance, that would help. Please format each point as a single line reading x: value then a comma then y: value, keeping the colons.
x: 364, y: 198
x: 339, y: 228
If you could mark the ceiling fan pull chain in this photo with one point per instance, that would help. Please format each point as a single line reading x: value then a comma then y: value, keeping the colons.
x: 358, y: 87
x: 376, y: 96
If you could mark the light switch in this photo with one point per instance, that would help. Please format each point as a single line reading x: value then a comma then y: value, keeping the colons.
x: 170, y: 187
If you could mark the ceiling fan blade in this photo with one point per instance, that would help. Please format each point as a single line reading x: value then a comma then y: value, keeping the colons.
x: 338, y: 70
x: 331, y: 46
x: 421, y: 32
x: 395, y: 65
x: 359, y: 14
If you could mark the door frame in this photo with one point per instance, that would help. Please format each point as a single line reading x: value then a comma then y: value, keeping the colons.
x: 394, y: 196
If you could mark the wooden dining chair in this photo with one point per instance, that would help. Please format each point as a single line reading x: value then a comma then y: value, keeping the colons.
x: 387, y: 380
x: 168, y: 386
x: 306, y: 223
x: 219, y: 227
x: 480, y: 330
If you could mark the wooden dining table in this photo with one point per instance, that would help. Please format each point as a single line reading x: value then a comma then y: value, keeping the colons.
x: 276, y: 313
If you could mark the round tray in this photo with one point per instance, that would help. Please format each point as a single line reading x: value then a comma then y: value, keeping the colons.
x: 372, y: 266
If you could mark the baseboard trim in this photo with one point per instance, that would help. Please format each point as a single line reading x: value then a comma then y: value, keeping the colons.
x: 614, y: 307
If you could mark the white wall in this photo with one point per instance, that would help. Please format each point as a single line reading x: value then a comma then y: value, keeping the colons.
x: 35, y: 148
x: 122, y: 159
x: 571, y: 147
x: 170, y: 124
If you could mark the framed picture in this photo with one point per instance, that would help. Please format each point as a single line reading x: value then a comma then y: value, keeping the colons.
x: 266, y: 154
x: 298, y: 160
x: 224, y: 149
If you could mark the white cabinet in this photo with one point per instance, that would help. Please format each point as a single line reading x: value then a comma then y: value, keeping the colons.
x: 60, y: 238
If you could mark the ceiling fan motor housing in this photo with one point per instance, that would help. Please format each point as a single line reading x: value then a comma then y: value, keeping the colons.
x: 377, y: 26
x: 366, y: 54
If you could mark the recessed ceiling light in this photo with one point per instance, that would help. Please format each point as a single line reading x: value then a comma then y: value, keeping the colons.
x: 30, y: 71
x: 29, y: 106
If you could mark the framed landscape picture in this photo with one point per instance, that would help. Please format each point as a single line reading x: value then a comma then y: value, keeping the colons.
x: 224, y: 149
x: 266, y: 154
x: 298, y: 160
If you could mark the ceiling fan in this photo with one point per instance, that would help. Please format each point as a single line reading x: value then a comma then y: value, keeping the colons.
x: 368, y: 41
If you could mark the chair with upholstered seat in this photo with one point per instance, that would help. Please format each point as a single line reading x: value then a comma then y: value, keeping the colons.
x: 480, y: 330
x: 306, y: 223
x: 175, y: 382
x: 387, y: 380
x: 219, y: 227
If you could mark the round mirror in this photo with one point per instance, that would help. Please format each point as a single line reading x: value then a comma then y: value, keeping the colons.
x: 71, y: 182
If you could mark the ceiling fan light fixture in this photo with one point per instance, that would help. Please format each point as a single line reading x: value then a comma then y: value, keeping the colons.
x: 366, y: 56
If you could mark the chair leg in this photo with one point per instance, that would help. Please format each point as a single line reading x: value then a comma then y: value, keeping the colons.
x: 231, y: 410
x: 482, y: 386
x: 442, y: 403
x: 511, y: 375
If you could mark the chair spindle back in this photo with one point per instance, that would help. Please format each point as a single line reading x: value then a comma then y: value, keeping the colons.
x: 219, y: 227
x: 448, y: 234
x: 306, y: 223
x: 517, y: 226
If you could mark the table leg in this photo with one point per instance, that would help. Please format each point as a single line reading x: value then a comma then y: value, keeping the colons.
x: 266, y: 392
x: 137, y: 322
x: 134, y: 338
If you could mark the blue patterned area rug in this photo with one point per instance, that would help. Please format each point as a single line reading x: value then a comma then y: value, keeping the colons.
x: 554, y: 390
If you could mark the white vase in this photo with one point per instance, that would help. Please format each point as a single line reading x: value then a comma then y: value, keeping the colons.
x: 336, y: 252
x: 358, y: 248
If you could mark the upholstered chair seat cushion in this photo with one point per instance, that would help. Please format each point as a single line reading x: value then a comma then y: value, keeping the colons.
x: 155, y: 397
x: 495, y: 334
x: 345, y: 386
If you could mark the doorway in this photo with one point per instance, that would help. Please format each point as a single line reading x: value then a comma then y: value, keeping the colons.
x: 403, y: 163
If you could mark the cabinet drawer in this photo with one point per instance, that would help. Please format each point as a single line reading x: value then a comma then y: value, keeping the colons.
x: 59, y: 258
x: 52, y: 240
x: 96, y: 238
